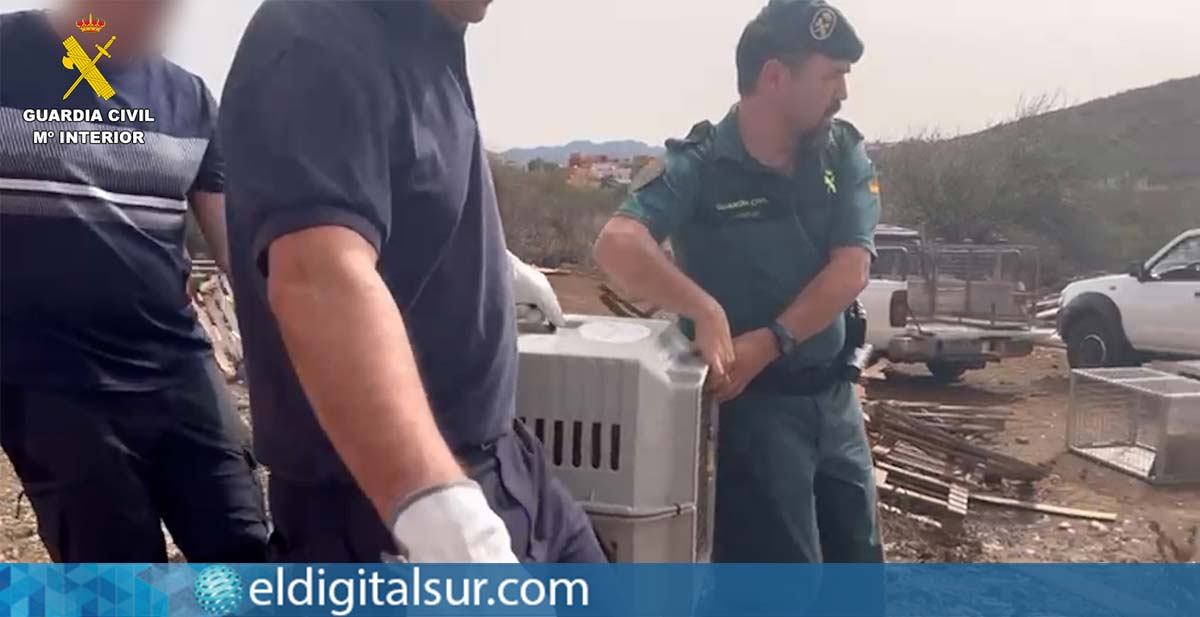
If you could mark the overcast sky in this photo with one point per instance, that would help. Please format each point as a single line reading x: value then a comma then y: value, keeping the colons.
x: 549, y: 71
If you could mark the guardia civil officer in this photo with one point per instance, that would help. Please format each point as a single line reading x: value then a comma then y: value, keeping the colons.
x: 770, y: 214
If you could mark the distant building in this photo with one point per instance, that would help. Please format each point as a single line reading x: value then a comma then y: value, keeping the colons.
x: 596, y: 170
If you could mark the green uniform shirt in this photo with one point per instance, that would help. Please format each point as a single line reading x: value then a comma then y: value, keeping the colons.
x: 752, y: 237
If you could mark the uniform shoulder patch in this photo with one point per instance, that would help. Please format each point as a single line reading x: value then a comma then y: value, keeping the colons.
x: 651, y: 172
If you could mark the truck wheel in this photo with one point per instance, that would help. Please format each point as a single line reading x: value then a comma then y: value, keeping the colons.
x: 946, y: 372
x: 1092, y: 343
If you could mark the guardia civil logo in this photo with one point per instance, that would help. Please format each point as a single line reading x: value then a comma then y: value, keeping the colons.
x: 823, y: 24
x: 79, y: 60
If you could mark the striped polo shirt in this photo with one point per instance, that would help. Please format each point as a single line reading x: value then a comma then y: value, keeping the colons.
x: 93, y: 200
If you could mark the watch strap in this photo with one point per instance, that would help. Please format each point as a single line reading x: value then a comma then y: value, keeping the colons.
x: 783, y: 338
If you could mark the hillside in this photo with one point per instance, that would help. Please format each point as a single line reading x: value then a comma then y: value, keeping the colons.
x: 1094, y: 186
x: 1151, y: 133
x: 560, y: 154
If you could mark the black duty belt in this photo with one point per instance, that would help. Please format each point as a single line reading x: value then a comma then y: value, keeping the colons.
x: 798, y: 382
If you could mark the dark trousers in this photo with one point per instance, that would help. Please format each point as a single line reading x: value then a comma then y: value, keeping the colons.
x: 102, y: 469
x: 335, y: 523
x: 795, y: 481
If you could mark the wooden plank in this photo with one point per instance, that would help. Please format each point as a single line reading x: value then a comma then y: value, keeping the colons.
x: 931, y: 456
x: 935, y: 405
x: 907, y: 451
x: 1045, y: 508
x: 910, y: 494
x: 876, y: 371
x: 936, y: 470
x: 960, y: 497
x: 924, y: 478
x: 924, y: 434
x: 946, y: 415
x: 955, y: 496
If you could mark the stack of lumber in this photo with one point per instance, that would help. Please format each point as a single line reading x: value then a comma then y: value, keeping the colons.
x: 924, y: 464
x: 959, y: 420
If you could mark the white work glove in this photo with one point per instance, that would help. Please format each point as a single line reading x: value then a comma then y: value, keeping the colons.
x: 531, y: 288
x: 452, y: 523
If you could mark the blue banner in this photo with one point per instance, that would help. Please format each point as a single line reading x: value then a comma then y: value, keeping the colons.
x: 626, y: 590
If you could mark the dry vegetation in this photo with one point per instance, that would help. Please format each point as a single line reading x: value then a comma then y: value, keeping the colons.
x: 546, y: 220
x: 1093, y: 186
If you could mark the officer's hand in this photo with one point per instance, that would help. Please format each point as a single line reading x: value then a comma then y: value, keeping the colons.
x: 452, y: 523
x: 714, y: 343
x: 755, y: 350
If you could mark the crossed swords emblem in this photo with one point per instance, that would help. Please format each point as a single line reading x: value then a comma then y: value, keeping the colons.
x: 76, y: 58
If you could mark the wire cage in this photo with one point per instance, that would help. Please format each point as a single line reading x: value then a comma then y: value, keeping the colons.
x: 1140, y: 421
x: 985, y: 284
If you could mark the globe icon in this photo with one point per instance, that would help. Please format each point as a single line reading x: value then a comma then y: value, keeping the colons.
x: 218, y: 590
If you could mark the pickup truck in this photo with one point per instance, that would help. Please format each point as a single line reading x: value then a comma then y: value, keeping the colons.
x: 948, y: 347
x: 1150, y: 312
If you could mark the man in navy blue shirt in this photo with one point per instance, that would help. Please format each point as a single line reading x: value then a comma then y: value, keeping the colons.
x: 375, y: 293
x: 112, y: 412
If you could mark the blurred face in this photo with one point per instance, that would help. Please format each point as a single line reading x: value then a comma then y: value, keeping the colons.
x: 138, y: 25
x: 808, y: 93
x: 464, y: 11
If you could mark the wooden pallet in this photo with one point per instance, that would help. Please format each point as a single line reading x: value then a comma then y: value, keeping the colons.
x: 945, y: 502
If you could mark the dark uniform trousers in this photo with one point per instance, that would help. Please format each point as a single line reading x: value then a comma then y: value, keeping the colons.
x: 105, y: 470
x: 336, y: 523
x: 795, y: 480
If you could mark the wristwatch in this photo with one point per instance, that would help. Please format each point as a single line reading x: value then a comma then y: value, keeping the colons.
x: 783, y: 338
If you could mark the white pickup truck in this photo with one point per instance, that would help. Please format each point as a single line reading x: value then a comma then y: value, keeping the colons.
x: 1151, y: 312
x: 948, y: 349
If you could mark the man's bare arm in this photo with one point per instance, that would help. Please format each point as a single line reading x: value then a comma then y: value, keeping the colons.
x: 630, y: 256
x: 209, y: 209
x: 350, y: 349
x: 834, y: 289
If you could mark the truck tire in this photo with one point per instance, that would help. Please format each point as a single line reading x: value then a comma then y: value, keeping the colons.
x: 1093, y: 343
x: 946, y: 372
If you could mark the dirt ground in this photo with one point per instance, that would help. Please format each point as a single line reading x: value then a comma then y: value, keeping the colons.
x: 1033, y: 388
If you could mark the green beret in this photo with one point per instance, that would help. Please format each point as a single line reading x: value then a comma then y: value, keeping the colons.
x: 825, y: 28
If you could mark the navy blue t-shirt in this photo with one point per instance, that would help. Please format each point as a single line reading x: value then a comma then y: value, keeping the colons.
x: 360, y: 115
x: 92, y: 267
